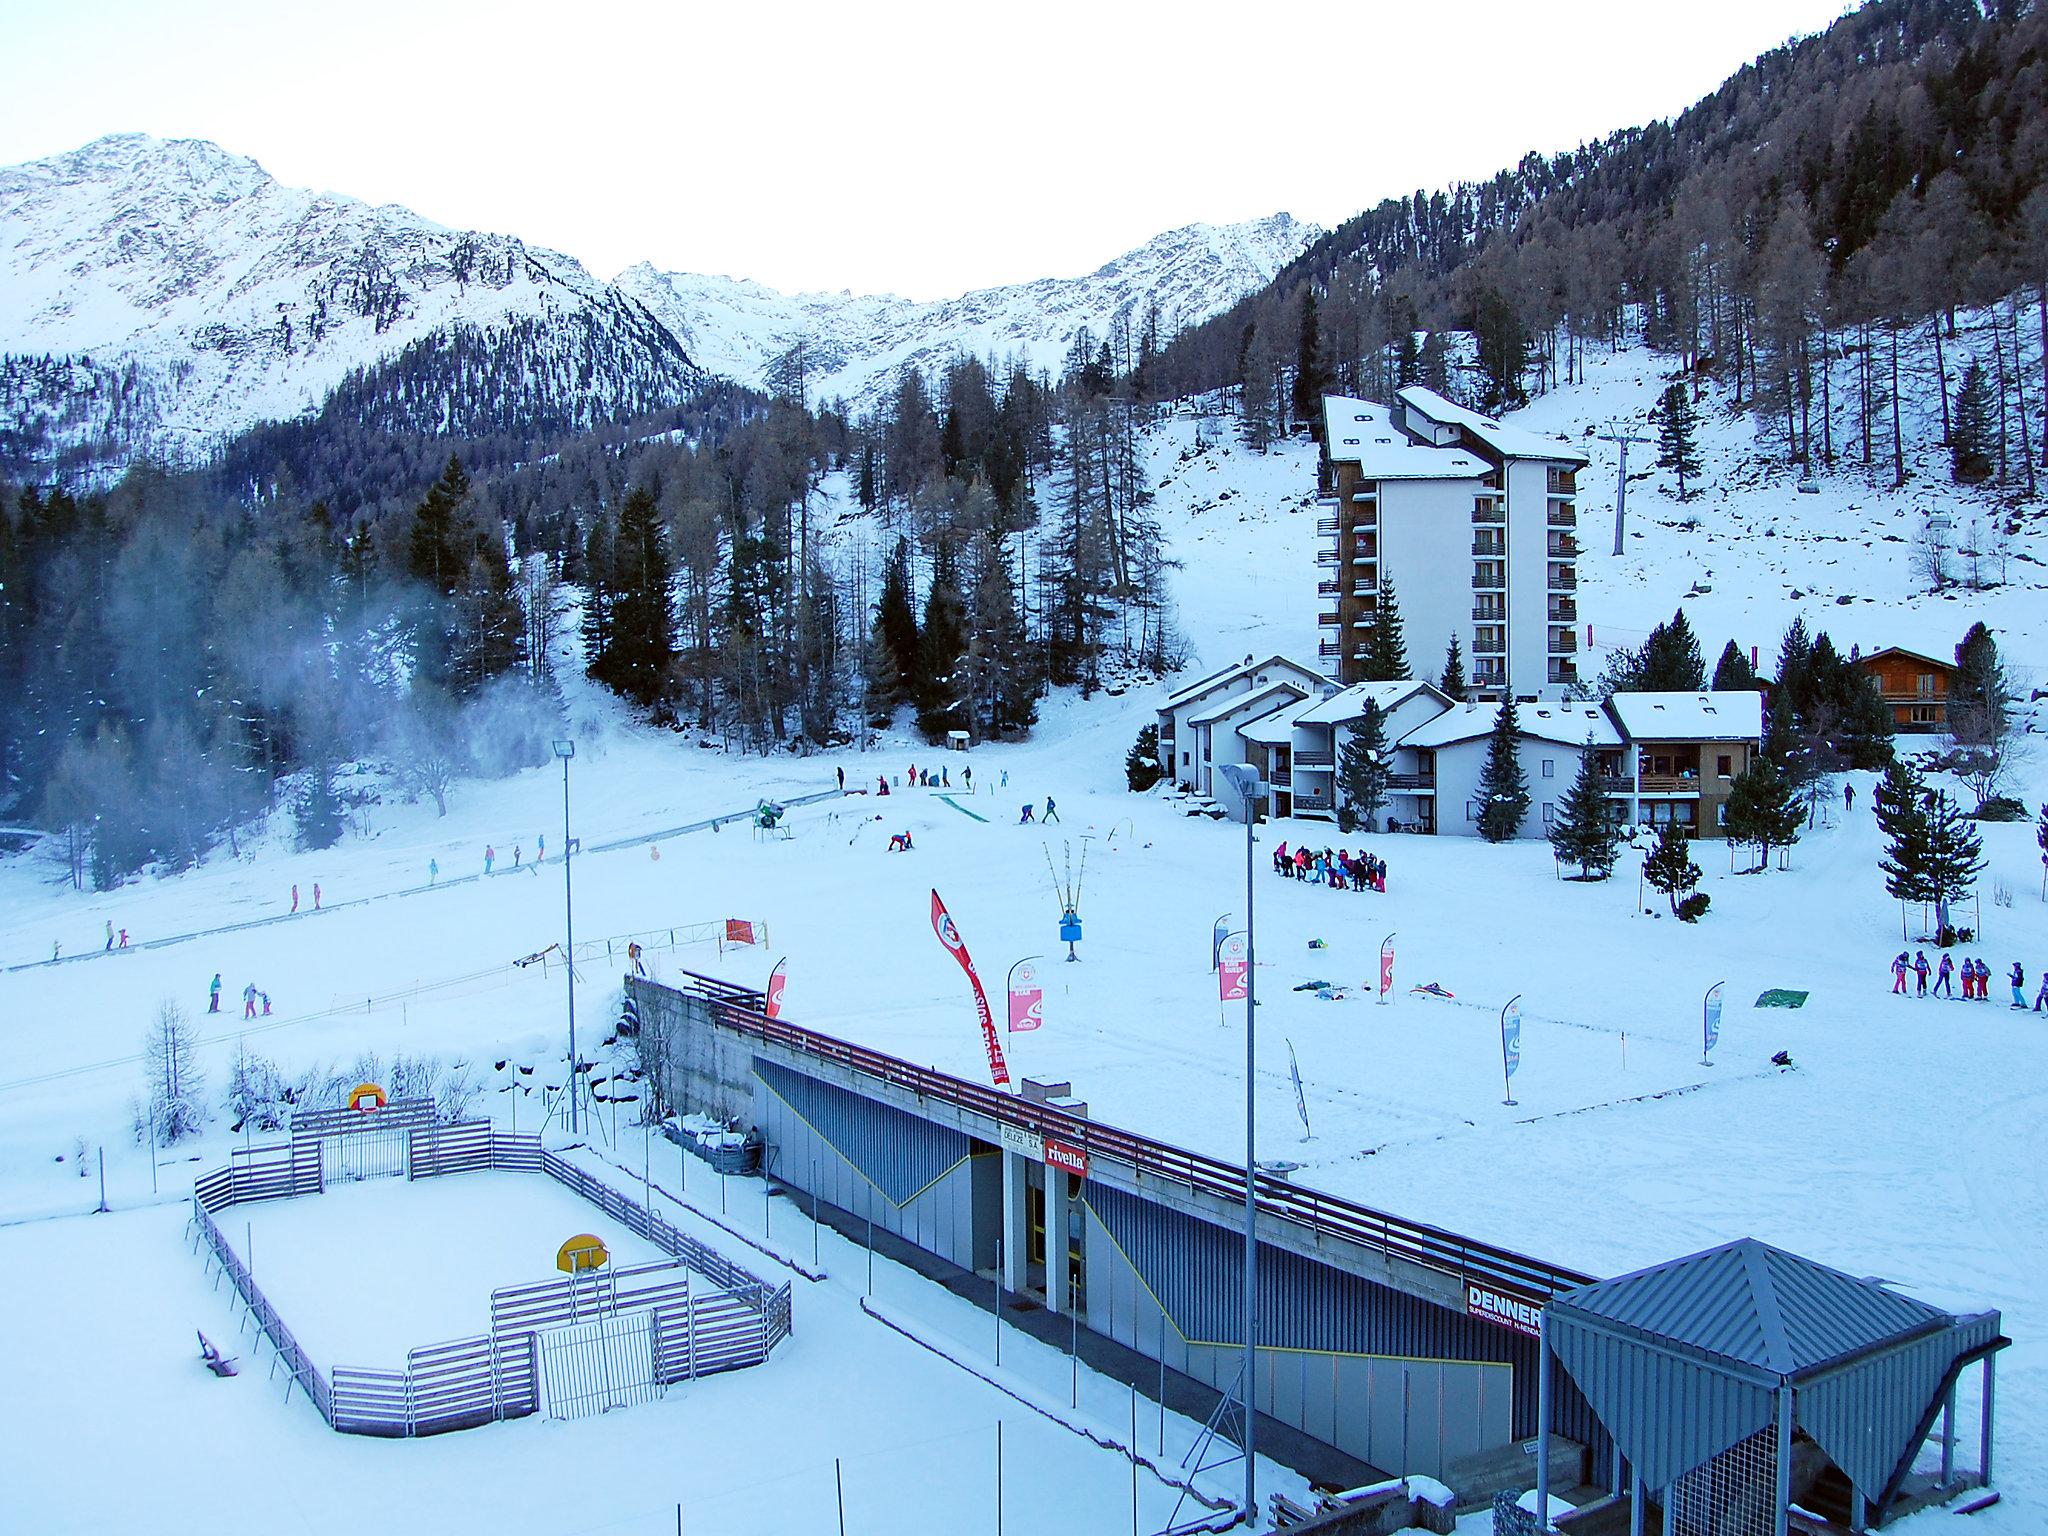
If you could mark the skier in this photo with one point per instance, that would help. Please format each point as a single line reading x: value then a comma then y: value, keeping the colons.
x: 945, y: 778
x: 1280, y: 857
x: 1848, y: 798
x: 124, y: 940
x: 1025, y: 819
x: 316, y: 895
x: 540, y: 852
x: 213, y: 995
x: 842, y: 779
x: 249, y: 1001
x: 899, y: 842
x: 1920, y: 969
x: 295, y: 898
x: 515, y: 855
x: 633, y: 954
x: 1900, y: 966
x: 490, y: 857
x: 1052, y: 812
x: 2041, y: 997
x: 433, y: 870
x: 266, y: 1003
x: 110, y: 933
x: 1983, y: 980
x: 967, y: 778
x: 2019, y: 987
x: 1006, y: 778
x: 1943, y: 981
x: 881, y: 783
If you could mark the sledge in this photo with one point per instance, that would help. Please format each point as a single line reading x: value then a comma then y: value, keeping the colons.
x: 1433, y: 989
x: 215, y: 1361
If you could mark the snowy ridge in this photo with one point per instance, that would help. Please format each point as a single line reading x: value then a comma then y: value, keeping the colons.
x: 736, y: 327
x: 236, y: 299
x: 181, y: 294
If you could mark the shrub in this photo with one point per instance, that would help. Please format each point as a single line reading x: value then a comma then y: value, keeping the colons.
x: 1694, y: 907
x: 1142, y: 768
x: 2001, y: 808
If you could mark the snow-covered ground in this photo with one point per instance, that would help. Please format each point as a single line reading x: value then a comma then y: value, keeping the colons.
x: 1904, y: 1140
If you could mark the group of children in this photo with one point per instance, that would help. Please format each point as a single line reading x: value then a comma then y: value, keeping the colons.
x: 1975, y: 974
x: 928, y: 778
x: 251, y: 996
x: 1336, y: 868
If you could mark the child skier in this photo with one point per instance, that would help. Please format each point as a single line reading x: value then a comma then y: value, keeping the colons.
x: 2019, y: 987
x: 249, y: 1001
x: 1052, y: 812
x: 316, y: 895
x: 1025, y: 819
x: 1900, y: 966
x: 1983, y: 981
x: 490, y: 857
x: 266, y: 1003
x: 213, y: 995
x: 110, y: 933
x: 295, y: 898
x: 1920, y: 969
x: 433, y: 870
x: 1943, y: 979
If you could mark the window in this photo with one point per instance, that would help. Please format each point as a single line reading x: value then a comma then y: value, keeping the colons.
x: 1549, y: 772
x: 1724, y: 765
x: 1472, y: 810
x: 1926, y: 714
x: 1926, y: 685
x: 1549, y: 812
x: 1183, y: 759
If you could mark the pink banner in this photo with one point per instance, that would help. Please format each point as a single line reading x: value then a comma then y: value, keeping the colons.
x: 1230, y: 975
x: 1027, y: 999
x: 776, y: 982
x: 1386, y: 967
x: 942, y: 925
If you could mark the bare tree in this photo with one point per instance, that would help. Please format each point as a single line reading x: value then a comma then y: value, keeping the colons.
x: 1931, y: 558
x: 175, y: 1086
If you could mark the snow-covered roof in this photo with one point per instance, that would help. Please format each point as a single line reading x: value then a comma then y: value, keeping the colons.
x: 1566, y: 724
x: 1349, y: 705
x: 1359, y: 432
x: 1509, y: 442
x: 1733, y: 715
x: 1276, y: 729
x: 1237, y: 701
x: 1246, y: 668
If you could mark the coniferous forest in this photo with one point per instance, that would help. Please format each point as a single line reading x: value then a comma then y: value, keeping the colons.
x: 397, y: 578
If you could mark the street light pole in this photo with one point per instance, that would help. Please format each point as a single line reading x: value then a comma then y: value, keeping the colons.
x: 1251, y: 791
x: 566, y: 750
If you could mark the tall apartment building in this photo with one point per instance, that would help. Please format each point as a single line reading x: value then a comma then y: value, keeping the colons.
x: 1476, y: 526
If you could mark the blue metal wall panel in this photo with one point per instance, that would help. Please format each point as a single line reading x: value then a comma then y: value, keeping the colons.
x: 898, y: 1152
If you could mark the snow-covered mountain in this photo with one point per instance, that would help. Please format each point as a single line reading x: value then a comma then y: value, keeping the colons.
x: 860, y: 343
x: 158, y: 296
x: 227, y: 298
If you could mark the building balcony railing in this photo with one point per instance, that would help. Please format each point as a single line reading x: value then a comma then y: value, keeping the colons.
x: 1489, y: 516
x: 1563, y: 547
x: 1489, y: 583
x: 1367, y: 593
x: 1411, y: 781
x: 1280, y: 778
x: 1329, y: 620
x: 1489, y: 613
x: 1329, y: 588
x: 1328, y: 648
x: 1563, y: 580
x: 1563, y: 671
x: 1564, y: 610
x: 1489, y: 548
x: 1326, y: 525
x: 1315, y: 759
x: 1563, y: 515
x: 1366, y: 493
x: 1563, y: 482
x: 1652, y: 784
x: 1325, y: 497
x: 1913, y: 696
x: 1493, y: 647
x: 1311, y: 800
x: 1328, y: 557
x: 1563, y: 642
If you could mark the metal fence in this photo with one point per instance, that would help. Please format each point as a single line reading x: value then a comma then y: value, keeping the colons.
x: 541, y: 1333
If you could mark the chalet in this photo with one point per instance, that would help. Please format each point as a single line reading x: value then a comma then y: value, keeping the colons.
x: 1915, y: 688
x: 1684, y: 751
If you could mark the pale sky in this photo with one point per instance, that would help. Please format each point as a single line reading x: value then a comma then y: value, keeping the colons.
x: 920, y: 149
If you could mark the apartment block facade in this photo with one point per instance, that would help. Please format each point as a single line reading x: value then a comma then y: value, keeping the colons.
x: 1474, y: 524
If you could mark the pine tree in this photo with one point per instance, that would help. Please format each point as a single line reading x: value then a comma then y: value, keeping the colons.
x: 895, y: 670
x: 942, y: 647
x: 1901, y: 806
x: 640, y: 646
x: 1503, y: 789
x: 1981, y: 699
x: 1670, y: 868
x: 1585, y: 830
x: 868, y: 494
x: 1671, y: 660
x: 1311, y: 372
x: 1762, y: 810
x: 1955, y: 857
x: 1970, y: 438
x: 1733, y: 673
x: 1362, y: 767
x: 1453, y: 683
x: 1677, y: 437
x: 1142, y: 768
x: 434, y: 552
x: 1386, y: 659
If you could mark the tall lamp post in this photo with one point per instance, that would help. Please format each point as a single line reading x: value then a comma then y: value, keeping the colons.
x: 1251, y: 792
x: 565, y: 750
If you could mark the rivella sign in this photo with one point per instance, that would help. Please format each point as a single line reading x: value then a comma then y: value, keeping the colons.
x: 1505, y: 1311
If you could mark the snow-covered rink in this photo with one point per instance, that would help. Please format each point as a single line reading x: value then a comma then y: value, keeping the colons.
x: 368, y: 1270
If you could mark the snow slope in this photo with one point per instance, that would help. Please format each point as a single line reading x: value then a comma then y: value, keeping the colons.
x: 862, y: 342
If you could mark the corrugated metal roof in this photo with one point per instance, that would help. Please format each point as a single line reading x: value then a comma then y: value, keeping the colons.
x: 1755, y: 1305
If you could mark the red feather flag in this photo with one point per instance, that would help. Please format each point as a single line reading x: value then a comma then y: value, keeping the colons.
x: 942, y: 925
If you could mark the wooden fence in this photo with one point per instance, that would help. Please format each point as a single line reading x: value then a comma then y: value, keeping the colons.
x: 697, y: 1330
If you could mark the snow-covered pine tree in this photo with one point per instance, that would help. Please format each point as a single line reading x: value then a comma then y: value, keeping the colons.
x: 1585, y: 831
x: 1670, y: 868
x: 1142, y: 768
x: 1901, y: 807
x: 1362, y: 771
x: 1503, y: 788
x: 175, y: 1107
x: 1762, y: 810
x: 1733, y: 673
x: 1678, y: 437
x: 1453, y: 682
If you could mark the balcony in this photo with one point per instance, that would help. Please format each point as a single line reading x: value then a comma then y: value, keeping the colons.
x: 1326, y: 525
x: 1489, y: 546
x: 1327, y: 649
x: 1311, y: 800
x: 1323, y: 760
x: 1328, y: 557
x: 1564, y: 610
x: 1489, y: 516
x: 1563, y: 482
x: 1332, y: 588
x: 1563, y: 642
x: 1563, y: 515
x: 1563, y: 547
x: 1489, y: 583
x: 1493, y: 612
x: 1280, y: 778
x: 1368, y: 593
x: 1563, y: 671
x: 1562, y: 579
x: 1411, y: 781
x: 1329, y: 620
x: 1366, y: 493
x: 1495, y: 645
